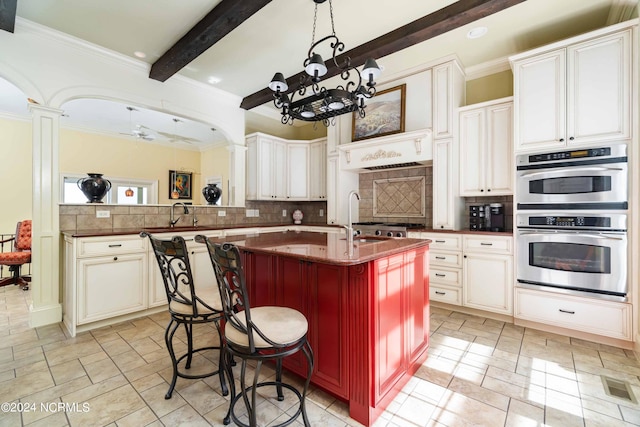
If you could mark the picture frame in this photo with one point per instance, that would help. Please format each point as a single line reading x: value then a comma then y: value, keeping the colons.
x: 182, y: 182
x: 384, y: 115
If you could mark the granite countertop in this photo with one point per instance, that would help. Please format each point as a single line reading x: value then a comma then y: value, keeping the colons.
x: 176, y: 230
x: 328, y: 248
x: 438, y: 230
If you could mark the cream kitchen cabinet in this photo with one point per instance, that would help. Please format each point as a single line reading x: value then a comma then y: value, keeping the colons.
x: 486, y: 147
x: 267, y: 170
x: 279, y: 169
x: 448, y: 83
x: 488, y: 273
x: 447, y: 206
x: 104, y: 277
x: 591, y: 315
x: 445, y: 266
x: 318, y: 170
x: 575, y: 92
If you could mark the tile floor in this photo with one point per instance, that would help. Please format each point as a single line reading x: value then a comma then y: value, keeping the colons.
x: 479, y: 372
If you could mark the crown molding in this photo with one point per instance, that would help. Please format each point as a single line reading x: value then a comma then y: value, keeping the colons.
x: 622, y: 10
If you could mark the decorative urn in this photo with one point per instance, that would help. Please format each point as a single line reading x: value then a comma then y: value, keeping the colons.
x: 297, y: 216
x: 211, y: 193
x: 94, y: 187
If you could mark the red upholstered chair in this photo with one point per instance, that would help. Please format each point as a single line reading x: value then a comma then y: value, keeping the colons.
x: 20, y: 255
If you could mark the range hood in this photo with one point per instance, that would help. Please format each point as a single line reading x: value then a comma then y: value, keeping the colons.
x: 388, y: 152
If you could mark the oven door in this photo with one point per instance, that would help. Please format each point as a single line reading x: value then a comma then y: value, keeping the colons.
x: 584, y: 261
x: 573, y: 187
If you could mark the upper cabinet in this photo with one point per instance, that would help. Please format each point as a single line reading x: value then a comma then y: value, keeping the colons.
x: 278, y: 169
x: 486, y: 149
x: 448, y: 94
x: 575, y: 92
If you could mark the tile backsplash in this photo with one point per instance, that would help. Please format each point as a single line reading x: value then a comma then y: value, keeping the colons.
x: 396, y: 195
x: 83, y: 216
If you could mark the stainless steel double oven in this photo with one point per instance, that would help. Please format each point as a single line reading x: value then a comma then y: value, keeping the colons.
x: 572, y: 222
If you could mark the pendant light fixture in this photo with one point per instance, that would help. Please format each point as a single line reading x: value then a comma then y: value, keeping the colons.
x: 129, y: 191
x: 174, y: 192
x: 324, y: 104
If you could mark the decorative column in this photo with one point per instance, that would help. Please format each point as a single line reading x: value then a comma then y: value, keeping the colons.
x: 45, y: 241
x: 237, y: 174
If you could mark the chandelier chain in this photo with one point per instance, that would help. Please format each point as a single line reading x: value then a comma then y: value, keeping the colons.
x: 315, y: 19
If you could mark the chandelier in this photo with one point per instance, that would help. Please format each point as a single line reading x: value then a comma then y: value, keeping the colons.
x: 323, y: 104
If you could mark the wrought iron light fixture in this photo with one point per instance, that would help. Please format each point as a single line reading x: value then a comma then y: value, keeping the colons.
x: 323, y: 103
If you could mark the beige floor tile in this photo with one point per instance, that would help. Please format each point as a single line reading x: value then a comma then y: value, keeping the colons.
x: 202, y: 397
x: 55, y: 419
x: 141, y: 417
x: 70, y: 352
x: 67, y: 371
x: 456, y: 408
x: 116, y: 346
x: 24, y: 386
x: 521, y: 414
x: 89, y: 392
x: 107, y: 408
x: 497, y: 400
x: 158, y: 404
x: 50, y: 395
x: 101, y: 370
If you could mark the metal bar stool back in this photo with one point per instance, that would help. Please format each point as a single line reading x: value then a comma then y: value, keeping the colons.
x: 267, y: 333
x: 188, y: 307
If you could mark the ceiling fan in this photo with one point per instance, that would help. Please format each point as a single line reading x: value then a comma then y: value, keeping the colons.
x: 139, y: 131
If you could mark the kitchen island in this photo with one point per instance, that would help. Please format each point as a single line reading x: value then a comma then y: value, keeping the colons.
x: 368, y: 311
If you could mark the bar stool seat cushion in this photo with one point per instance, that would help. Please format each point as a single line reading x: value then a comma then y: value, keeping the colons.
x: 210, y: 297
x: 281, y: 325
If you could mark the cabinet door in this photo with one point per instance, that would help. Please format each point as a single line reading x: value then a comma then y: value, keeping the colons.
x: 472, y: 153
x: 298, y: 171
x: 443, y: 203
x: 252, y: 169
x: 291, y: 291
x: 328, y: 322
x: 498, y: 166
x: 599, y: 89
x: 488, y: 282
x: 417, y: 294
x: 111, y: 286
x: 317, y: 170
x: 443, y: 101
x: 540, y: 108
x: 266, y: 170
x: 389, y: 331
x: 279, y: 170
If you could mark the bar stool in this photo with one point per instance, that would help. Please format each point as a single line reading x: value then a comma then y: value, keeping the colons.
x: 186, y: 307
x: 260, y: 334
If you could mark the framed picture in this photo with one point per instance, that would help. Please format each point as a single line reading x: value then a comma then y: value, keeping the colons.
x: 384, y: 115
x: 181, y: 183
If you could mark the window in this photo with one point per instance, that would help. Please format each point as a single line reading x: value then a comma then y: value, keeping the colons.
x: 145, y: 192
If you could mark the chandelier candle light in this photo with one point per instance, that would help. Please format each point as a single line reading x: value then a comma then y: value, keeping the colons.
x: 323, y: 103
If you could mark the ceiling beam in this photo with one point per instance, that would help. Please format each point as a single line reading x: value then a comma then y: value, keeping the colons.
x: 222, y: 19
x: 8, y: 15
x: 439, y: 22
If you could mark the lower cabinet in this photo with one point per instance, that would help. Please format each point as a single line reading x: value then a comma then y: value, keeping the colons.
x: 104, y: 277
x: 488, y: 273
x: 607, y: 318
x: 112, y: 286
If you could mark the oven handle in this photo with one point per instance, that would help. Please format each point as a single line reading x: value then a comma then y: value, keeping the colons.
x: 555, y: 233
x: 573, y: 169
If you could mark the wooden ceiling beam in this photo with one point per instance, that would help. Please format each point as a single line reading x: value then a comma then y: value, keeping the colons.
x: 439, y: 22
x: 222, y: 19
x: 8, y: 15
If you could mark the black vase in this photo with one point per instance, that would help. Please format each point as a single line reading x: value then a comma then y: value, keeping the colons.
x: 211, y: 193
x: 94, y: 187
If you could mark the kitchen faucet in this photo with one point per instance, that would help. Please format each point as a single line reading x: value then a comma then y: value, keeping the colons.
x: 172, y: 221
x: 349, y: 226
x: 195, y: 218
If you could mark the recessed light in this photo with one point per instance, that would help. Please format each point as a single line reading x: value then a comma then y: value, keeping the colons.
x: 214, y: 80
x: 477, y: 32
x: 140, y: 54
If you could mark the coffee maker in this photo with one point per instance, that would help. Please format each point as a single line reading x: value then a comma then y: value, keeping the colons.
x: 486, y: 217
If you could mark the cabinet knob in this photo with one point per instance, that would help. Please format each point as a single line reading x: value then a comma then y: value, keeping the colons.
x: 488, y: 190
x: 571, y: 139
x: 464, y: 256
x: 482, y: 190
x: 115, y: 258
x: 561, y: 139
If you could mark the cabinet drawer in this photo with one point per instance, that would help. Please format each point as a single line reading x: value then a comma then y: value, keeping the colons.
x: 484, y: 244
x: 110, y: 246
x: 445, y: 277
x: 449, y: 242
x: 445, y: 294
x: 445, y: 259
x: 607, y: 318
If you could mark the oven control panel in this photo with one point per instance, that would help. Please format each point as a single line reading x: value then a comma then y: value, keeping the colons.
x: 595, y: 221
x: 575, y: 154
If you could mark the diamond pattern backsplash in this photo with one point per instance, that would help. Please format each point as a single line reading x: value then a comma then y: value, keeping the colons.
x: 394, y: 197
